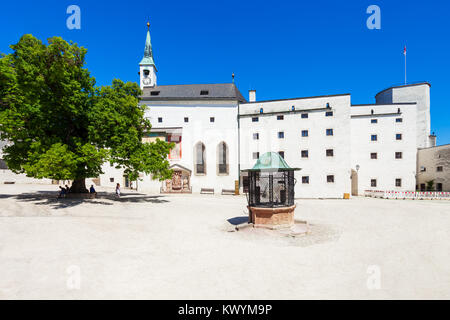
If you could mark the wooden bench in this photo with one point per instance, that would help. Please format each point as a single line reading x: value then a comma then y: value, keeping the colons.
x: 9, y: 182
x: 228, y: 191
x: 207, y: 190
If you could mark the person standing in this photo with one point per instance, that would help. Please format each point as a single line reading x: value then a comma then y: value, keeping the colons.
x: 118, y: 190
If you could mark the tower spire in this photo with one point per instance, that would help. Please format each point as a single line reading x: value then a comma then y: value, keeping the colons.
x: 147, y: 67
x: 148, y: 53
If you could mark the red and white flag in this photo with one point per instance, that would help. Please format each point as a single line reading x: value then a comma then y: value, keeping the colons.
x: 404, y: 51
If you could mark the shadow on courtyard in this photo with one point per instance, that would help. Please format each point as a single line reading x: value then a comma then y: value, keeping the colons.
x: 238, y: 220
x: 50, y: 198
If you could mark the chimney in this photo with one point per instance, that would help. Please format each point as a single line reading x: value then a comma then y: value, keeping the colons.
x: 251, y: 95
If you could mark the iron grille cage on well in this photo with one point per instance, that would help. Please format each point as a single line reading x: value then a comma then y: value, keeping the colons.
x: 271, y: 189
x: 271, y: 182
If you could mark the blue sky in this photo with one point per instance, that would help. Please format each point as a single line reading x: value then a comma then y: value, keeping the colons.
x: 283, y: 49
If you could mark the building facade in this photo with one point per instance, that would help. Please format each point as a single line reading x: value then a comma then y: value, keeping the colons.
x: 433, y: 168
x: 340, y: 148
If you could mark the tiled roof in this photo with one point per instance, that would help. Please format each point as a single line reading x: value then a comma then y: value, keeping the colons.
x: 220, y: 91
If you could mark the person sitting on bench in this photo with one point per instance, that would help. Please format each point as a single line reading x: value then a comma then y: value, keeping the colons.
x: 62, y: 192
x: 92, y: 190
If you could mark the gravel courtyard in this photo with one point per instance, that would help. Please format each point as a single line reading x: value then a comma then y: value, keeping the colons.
x: 183, y: 247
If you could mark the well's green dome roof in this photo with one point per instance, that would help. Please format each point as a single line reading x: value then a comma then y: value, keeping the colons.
x: 271, y: 161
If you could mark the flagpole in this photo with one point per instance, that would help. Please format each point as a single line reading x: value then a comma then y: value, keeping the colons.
x: 404, y: 52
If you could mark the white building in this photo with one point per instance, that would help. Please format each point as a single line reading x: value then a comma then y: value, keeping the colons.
x: 340, y: 147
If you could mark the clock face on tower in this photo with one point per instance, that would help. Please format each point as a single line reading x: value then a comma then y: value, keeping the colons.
x: 146, y: 81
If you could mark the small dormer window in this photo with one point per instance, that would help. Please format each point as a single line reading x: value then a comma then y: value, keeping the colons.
x: 398, y: 110
x: 328, y: 106
x: 293, y: 108
x: 261, y: 110
x: 204, y: 92
x: 154, y: 93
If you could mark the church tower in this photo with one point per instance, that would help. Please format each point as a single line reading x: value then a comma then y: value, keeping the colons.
x: 147, y: 67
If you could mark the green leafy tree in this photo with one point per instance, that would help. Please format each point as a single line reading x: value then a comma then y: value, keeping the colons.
x: 59, y: 125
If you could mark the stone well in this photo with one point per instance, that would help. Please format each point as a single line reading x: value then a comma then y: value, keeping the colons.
x: 271, y: 192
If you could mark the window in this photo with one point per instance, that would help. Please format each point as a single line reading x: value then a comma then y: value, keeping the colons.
x: 204, y: 92
x: 255, y: 155
x: 304, y: 133
x: 222, y: 156
x: 439, y: 187
x: 374, y: 121
x: 154, y: 93
x: 329, y: 132
x: 373, y: 183
x: 160, y: 120
x: 330, y: 179
x: 398, y: 136
x: 261, y: 110
x: 212, y: 119
x: 186, y: 119
x: 398, y: 155
x: 281, y: 153
x: 255, y: 119
x: 256, y: 136
x: 280, y: 117
x: 423, y: 169
x: 111, y: 179
x: 281, y: 135
x: 293, y: 108
x: 398, y: 120
x: 305, y: 179
x: 439, y: 169
x: 374, y: 137
x: 305, y: 154
x: 398, y: 182
x: 200, y: 164
x: 373, y: 155
x: 422, y: 187
x: 304, y: 116
x: 330, y: 152
x: 329, y: 114
x: 328, y: 106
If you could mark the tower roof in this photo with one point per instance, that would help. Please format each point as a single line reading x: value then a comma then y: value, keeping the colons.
x: 148, y: 53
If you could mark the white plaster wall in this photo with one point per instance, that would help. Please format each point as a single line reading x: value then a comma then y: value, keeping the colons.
x: 9, y: 176
x: 430, y: 159
x: 199, y: 129
x: 413, y: 93
x: 317, y: 166
x: 386, y: 168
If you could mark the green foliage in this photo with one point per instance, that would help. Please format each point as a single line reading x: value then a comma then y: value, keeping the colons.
x: 430, y: 185
x: 63, y: 127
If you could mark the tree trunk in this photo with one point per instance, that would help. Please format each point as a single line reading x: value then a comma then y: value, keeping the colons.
x: 79, y: 186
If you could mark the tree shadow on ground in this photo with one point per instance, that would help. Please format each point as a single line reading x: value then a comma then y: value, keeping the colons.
x: 50, y: 198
